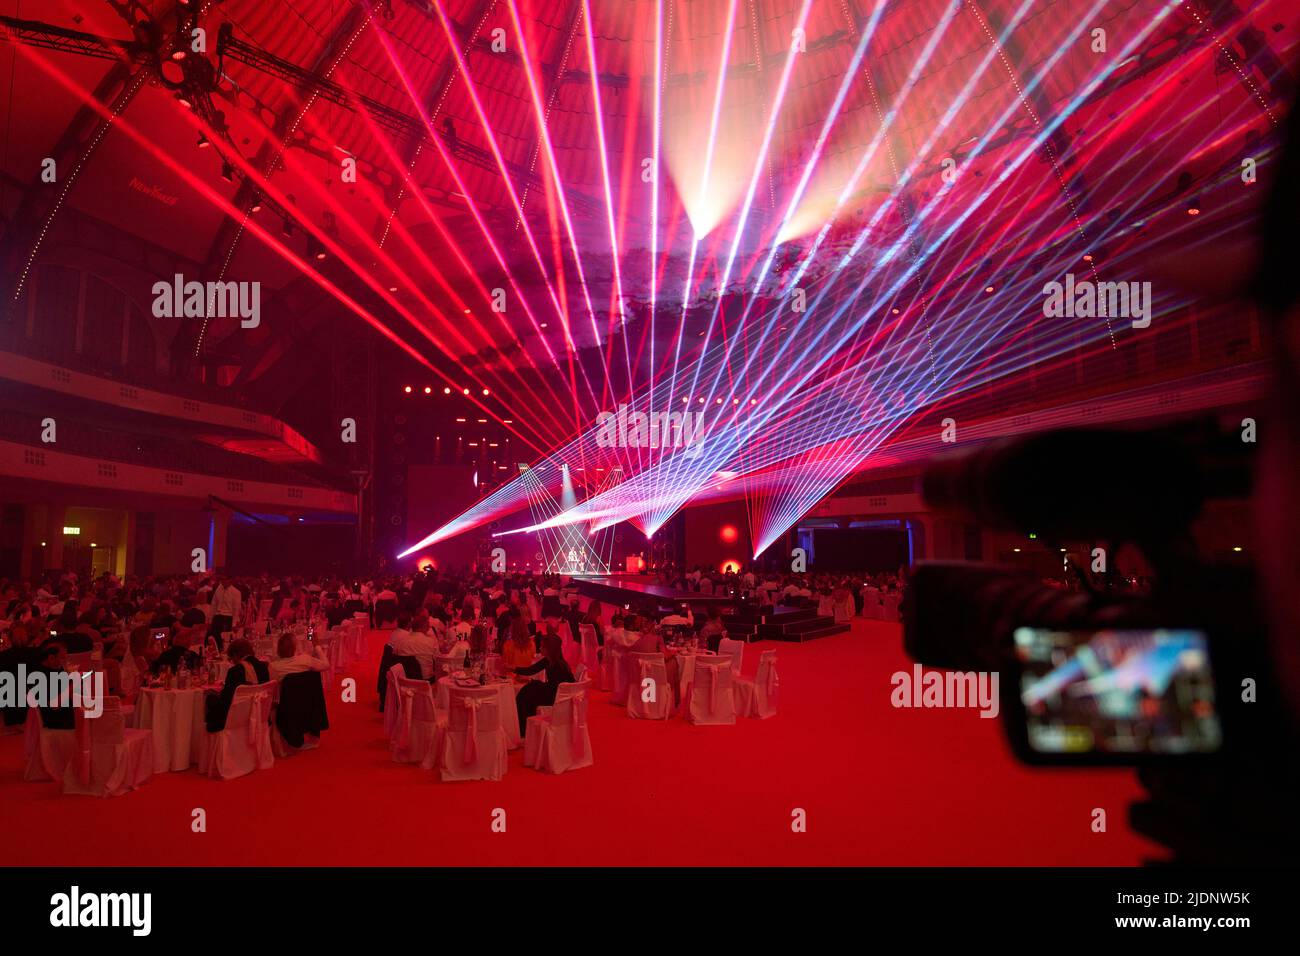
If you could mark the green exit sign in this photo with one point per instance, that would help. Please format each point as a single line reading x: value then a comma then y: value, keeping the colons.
x: 72, y: 531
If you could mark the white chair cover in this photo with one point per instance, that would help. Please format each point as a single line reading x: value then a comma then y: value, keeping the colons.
x: 735, y: 650
x: 245, y: 744
x: 844, y: 611
x: 473, y: 747
x: 417, y: 723
x: 48, y: 751
x: 565, y: 740
x: 757, y: 697
x: 710, y: 699
x: 590, y: 649
x: 641, y: 668
x: 889, y: 606
x: 613, y: 673
x: 392, y: 709
x: 111, y: 758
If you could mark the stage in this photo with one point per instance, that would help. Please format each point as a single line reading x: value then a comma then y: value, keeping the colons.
x: 636, y: 590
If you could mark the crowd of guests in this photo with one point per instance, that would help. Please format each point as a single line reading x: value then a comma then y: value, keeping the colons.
x: 144, y: 627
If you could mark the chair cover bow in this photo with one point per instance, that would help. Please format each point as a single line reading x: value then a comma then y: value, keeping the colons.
x: 471, y: 704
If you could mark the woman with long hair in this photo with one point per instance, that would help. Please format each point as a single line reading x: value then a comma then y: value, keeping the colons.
x: 537, y: 694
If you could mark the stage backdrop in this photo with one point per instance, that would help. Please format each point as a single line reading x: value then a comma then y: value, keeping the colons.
x: 434, y: 495
x: 717, y: 534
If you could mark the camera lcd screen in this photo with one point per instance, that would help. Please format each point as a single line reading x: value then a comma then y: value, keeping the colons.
x: 1117, y: 692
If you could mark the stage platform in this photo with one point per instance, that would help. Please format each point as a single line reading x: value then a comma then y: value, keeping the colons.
x: 637, y: 590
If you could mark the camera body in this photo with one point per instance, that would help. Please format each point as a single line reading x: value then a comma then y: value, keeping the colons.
x: 1114, y: 675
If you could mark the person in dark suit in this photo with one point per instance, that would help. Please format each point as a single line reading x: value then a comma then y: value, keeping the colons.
x: 244, y: 669
x: 537, y: 694
x: 179, y: 651
x: 22, y: 652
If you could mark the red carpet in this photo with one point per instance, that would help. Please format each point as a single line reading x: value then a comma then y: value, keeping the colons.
x: 880, y: 787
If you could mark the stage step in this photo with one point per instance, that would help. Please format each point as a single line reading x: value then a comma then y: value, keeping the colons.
x: 801, y: 625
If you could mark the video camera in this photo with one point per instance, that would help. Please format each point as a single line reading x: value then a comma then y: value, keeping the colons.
x: 1102, y: 671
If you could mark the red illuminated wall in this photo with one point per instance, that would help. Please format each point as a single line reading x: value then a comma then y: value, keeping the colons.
x: 435, y: 495
x: 703, y: 531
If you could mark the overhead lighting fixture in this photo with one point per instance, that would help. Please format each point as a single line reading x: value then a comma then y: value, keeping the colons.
x: 407, y: 390
x: 257, y: 205
x: 204, y: 142
x: 227, y: 171
x: 428, y: 390
x: 446, y: 390
x: 1194, y: 206
x: 486, y: 392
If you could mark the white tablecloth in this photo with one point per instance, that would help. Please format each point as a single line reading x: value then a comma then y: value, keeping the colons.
x: 176, y: 719
x: 506, y: 704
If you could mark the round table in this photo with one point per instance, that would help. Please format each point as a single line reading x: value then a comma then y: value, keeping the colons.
x: 176, y: 719
x: 506, y: 691
x: 684, y: 662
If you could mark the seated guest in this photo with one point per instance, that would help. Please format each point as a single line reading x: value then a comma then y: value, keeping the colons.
x: 77, y: 642
x: 21, y: 652
x: 519, y: 649
x: 408, y: 643
x: 244, y: 669
x: 288, y: 612
x: 712, y: 632
x: 592, y: 617
x: 181, y: 651
x: 144, y: 648
x: 289, y: 661
x: 192, y: 616
x: 335, y: 613
x: 164, y: 616
x: 54, y: 660
x: 617, y: 634
x: 537, y: 694
x: 573, y: 617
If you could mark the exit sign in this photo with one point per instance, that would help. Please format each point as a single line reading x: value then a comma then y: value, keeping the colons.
x: 72, y: 531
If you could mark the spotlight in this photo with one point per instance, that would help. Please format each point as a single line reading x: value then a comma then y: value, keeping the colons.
x: 428, y: 390
x: 753, y: 401
x: 1194, y: 206
x: 257, y: 205
x: 227, y: 172
x: 203, y: 142
x: 184, y: 101
x: 288, y: 226
x: 392, y: 288
x: 686, y: 401
x: 486, y: 392
x: 178, y: 54
x: 988, y: 288
x: 466, y: 391
x: 719, y: 401
x: 701, y: 400
x: 1088, y: 257
x: 446, y: 390
x: 314, y: 248
x: 407, y: 390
